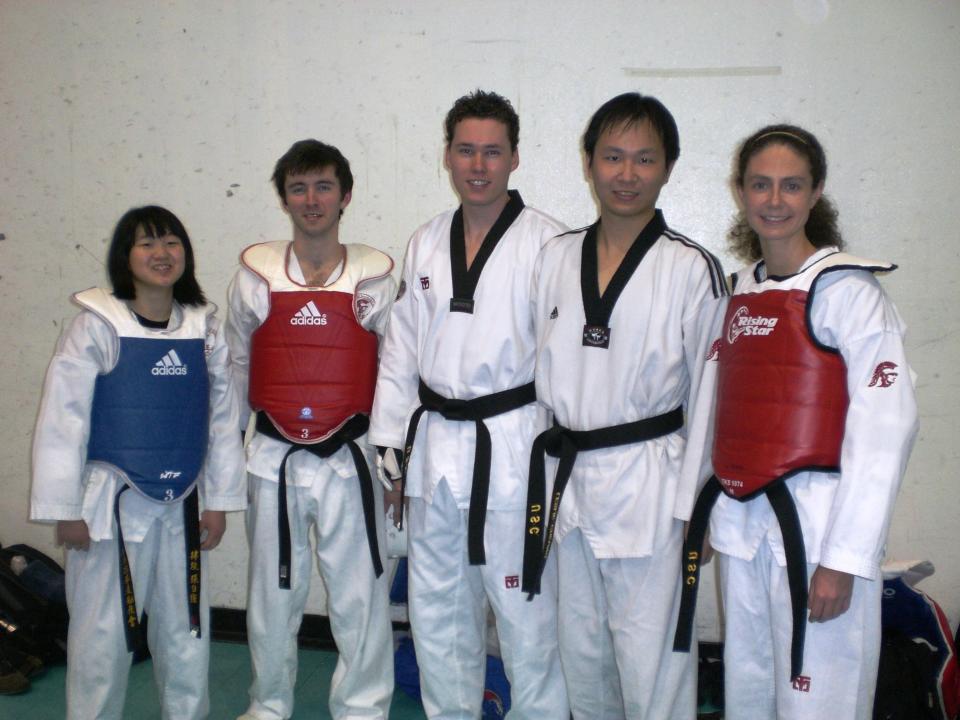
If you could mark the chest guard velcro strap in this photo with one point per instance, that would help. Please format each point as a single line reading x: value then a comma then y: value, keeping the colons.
x: 312, y: 365
x: 781, y: 397
x: 150, y: 415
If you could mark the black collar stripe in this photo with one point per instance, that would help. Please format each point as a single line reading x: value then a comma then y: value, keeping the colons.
x: 464, y: 280
x: 717, y: 278
x: 598, y: 308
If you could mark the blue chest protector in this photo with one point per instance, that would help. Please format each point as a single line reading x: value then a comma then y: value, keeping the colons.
x: 150, y: 413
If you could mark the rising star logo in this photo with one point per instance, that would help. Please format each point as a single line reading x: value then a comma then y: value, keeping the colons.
x: 884, y: 375
x: 743, y: 323
x: 714, y: 352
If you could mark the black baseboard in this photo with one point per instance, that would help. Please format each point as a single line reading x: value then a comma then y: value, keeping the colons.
x: 230, y: 625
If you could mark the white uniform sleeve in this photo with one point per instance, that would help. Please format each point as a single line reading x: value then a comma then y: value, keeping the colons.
x: 397, y: 380
x: 87, y: 348
x: 383, y: 291
x: 223, y: 484
x: 702, y: 325
x: 852, y: 313
x: 242, y: 319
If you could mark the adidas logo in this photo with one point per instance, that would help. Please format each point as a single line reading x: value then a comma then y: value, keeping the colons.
x: 169, y: 364
x: 309, y: 315
x: 554, y: 315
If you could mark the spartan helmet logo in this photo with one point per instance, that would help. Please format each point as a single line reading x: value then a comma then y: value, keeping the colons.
x: 884, y: 375
x: 364, y: 304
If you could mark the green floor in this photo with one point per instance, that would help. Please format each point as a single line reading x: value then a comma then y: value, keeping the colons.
x: 229, y: 679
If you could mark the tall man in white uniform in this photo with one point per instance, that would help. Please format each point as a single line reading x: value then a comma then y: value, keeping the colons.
x: 624, y: 312
x: 455, y: 392
x: 305, y: 318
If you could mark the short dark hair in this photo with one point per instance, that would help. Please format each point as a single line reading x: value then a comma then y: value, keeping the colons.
x: 821, y: 227
x: 628, y: 109
x: 485, y: 106
x: 306, y: 155
x: 156, y: 221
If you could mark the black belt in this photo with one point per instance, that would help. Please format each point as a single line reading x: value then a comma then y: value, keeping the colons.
x: 351, y: 430
x: 559, y: 442
x: 786, y: 511
x: 476, y: 410
x: 191, y: 524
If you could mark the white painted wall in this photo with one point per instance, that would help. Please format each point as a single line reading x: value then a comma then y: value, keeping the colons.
x: 108, y: 104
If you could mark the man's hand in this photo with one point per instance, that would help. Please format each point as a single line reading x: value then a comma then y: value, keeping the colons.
x: 213, y: 523
x: 389, y: 475
x: 830, y: 592
x: 74, y: 534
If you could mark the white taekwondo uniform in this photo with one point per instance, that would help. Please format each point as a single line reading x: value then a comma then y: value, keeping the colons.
x: 67, y: 487
x: 844, y: 519
x: 324, y: 493
x: 464, y: 356
x: 620, y: 524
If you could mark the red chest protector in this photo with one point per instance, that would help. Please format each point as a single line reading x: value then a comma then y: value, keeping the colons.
x: 313, y: 366
x: 781, y: 395
x: 781, y: 408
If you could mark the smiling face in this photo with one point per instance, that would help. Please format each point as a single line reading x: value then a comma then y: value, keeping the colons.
x: 778, y: 194
x: 156, y: 262
x: 314, y: 201
x: 628, y: 169
x: 480, y: 161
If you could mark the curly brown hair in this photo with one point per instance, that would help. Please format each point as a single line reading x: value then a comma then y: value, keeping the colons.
x: 821, y: 227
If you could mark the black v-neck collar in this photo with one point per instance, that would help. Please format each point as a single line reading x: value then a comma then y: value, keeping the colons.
x: 598, y: 308
x: 464, y: 280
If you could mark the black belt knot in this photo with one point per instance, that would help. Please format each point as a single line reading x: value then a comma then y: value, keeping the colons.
x: 474, y: 410
x: 563, y: 443
x: 454, y: 409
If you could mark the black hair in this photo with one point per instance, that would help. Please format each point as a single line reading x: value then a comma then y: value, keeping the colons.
x: 628, y: 109
x: 306, y: 155
x: 485, y: 106
x: 156, y: 221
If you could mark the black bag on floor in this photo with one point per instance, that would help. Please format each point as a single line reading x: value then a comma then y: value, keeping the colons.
x: 33, y: 609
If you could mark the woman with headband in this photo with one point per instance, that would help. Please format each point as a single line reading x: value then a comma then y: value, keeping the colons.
x: 815, y: 420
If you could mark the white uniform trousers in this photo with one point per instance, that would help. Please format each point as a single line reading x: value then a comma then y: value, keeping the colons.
x: 98, y: 663
x: 357, y: 602
x: 449, y: 599
x: 840, y: 656
x: 617, y: 621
